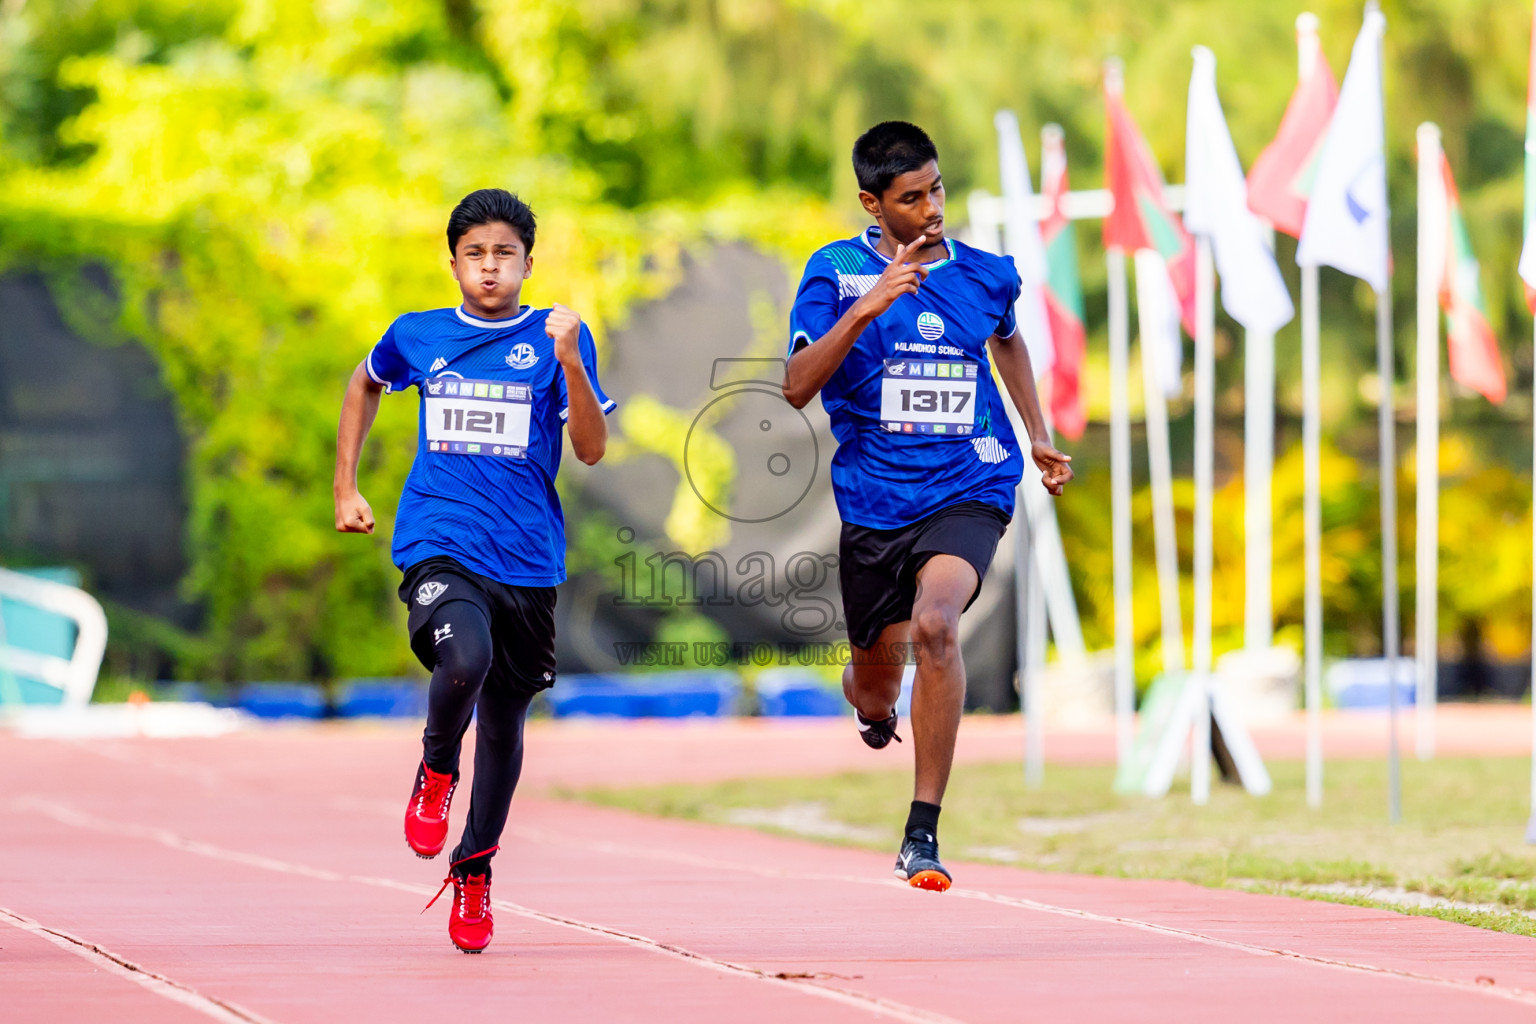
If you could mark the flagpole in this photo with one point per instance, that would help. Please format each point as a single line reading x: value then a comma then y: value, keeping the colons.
x: 1029, y: 622
x: 1386, y: 427
x: 1307, y: 53
x: 1312, y: 518
x: 1160, y: 465
x: 1258, y: 468
x: 1527, y: 273
x: 1034, y: 659
x: 1389, y: 597
x: 1426, y: 574
x: 1120, y: 491
x: 1530, y: 827
x: 1205, y: 400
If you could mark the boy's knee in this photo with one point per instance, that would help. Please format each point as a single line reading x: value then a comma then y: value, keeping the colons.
x: 463, y: 652
x: 936, y: 629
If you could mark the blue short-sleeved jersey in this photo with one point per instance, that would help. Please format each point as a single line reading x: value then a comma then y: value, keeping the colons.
x: 918, y: 419
x: 493, y: 397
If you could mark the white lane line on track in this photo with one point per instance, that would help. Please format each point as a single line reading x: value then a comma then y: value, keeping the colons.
x: 1510, y: 994
x: 868, y: 1003
x: 110, y: 962
x: 545, y: 836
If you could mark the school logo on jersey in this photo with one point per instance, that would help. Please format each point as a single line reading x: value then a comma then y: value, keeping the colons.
x: 522, y: 356
x: 438, y: 364
x: 930, y: 326
x: 430, y: 591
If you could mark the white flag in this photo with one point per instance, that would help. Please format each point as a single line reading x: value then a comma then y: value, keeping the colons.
x: 1216, y: 206
x: 1346, y: 222
x: 1157, y: 315
x: 1022, y: 241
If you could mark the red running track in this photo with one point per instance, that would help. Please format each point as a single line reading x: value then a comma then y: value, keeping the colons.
x: 263, y: 877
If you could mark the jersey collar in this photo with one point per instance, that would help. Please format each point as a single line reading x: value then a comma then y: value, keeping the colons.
x: 871, y: 236
x: 494, y: 325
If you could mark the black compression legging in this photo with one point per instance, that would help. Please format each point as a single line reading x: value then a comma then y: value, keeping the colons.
x: 459, y: 689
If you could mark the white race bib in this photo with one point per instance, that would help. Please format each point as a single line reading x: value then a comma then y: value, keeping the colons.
x: 928, y: 397
x: 478, y: 417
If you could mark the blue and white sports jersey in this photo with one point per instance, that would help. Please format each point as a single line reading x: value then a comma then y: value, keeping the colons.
x: 918, y: 419
x: 482, y: 488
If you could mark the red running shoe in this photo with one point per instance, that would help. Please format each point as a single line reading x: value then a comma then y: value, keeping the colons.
x: 470, y: 925
x: 426, y: 816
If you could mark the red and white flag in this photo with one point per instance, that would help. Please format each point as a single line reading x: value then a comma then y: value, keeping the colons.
x: 1473, y: 349
x: 1064, y: 292
x: 1142, y: 222
x: 1281, y: 178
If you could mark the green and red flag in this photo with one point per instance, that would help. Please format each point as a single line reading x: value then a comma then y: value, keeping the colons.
x: 1063, y: 292
x: 1281, y: 178
x: 1473, y: 349
x: 1141, y: 219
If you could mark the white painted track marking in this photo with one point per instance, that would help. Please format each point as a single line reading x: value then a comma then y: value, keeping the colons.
x: 1507, y: 993
x: 870, y: 1004
x: 159, y: 984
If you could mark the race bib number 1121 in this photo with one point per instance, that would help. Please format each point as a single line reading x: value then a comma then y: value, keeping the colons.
x: 478, y: 417
x: 928, y: 397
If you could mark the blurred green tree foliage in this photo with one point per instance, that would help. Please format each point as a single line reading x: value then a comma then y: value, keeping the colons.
x: 267, y: 180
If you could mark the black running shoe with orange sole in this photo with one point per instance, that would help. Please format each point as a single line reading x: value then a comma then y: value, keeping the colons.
x: 918, y: 863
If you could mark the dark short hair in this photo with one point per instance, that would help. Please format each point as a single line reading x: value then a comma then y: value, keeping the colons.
x: 487, y: 206
x: 887, y: 150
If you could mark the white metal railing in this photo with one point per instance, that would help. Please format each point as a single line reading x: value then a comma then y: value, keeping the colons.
x: 76, y: 675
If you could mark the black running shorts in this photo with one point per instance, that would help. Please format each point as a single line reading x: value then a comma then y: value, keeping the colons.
x: 522, y: 620
x: 878, y: 568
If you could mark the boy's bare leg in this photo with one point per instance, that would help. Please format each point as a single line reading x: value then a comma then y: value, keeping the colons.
x: 872, y: 678
x: 944, y: 585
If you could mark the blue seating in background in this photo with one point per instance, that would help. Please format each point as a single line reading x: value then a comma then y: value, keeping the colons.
x: 660, y: 695
x: 282, y: 700
x: 387, y: 698
x: 796, y: 693
x: 1361, y: 683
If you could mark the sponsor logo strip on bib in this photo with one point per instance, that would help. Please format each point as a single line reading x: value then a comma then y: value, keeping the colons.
x: 925, y: 396
x: 478, y: 417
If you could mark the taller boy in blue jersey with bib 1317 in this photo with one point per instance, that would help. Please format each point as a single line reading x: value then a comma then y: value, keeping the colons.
x: 479, y: 534
x: 894, y: 328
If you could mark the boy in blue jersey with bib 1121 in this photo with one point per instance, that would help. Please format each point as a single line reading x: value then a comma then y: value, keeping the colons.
x: 479, y: 533
x: 894, y: 328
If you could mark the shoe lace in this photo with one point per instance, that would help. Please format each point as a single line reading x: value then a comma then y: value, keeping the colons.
x: 474, y: 894
x: 924, y: 845
x: 882, y: 727
x: 483, y: 886
x: 435, y: 792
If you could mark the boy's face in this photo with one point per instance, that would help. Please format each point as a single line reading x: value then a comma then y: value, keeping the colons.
x: 912, y: 205
x: 490, y: 263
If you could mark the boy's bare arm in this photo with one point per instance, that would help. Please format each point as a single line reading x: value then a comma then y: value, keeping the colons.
x: 358, y: 409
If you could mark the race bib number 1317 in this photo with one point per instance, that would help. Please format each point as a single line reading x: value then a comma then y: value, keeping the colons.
x: 928, y: 397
